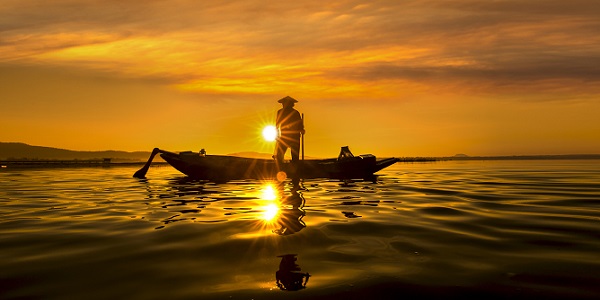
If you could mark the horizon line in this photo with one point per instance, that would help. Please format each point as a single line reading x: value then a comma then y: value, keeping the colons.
x: 455, y: 156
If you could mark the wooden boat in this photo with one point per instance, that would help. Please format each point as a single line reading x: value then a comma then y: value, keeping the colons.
x: 223, y: 168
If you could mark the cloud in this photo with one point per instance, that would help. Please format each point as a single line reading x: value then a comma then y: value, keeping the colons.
x: 438, y: 71
x: 525, y: 72
x: 253, y: 47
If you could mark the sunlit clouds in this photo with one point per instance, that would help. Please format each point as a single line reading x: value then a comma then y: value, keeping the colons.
x: 215, y: 62
x: 246, y: 47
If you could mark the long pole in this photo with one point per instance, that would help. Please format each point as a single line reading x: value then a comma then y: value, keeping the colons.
x: 303, y: 137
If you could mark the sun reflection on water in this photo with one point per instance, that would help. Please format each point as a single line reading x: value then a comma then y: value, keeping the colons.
x: 270, y: 213
x: 268, y: 192
x: 269, y: 195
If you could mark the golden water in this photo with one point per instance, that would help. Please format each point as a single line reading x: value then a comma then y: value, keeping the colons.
x: 516, y: 229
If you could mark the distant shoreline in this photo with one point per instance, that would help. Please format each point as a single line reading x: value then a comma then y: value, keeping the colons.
x: 27, y: 164
x: 526, y: 157
x: 23, y: 155
x: 63, y: 163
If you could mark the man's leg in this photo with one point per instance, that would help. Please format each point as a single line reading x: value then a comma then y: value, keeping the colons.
x: 295, y: 151
x: 280, y: 149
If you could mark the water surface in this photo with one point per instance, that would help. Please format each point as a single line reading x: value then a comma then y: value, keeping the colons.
x: 451, y: 229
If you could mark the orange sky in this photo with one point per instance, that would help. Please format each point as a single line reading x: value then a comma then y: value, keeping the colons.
x: 402, y: 78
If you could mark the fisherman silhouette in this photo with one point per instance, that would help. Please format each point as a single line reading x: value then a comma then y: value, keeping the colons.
x: 290, y: 126
x: 289, y: 277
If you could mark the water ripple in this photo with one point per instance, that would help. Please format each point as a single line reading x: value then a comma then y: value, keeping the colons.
x: 517, y: 226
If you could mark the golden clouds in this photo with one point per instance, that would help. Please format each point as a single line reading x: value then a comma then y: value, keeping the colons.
x: 249, y: 47
x: 414, y: 53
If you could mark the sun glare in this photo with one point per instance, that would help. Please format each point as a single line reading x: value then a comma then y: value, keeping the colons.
x: 270, y: 212
x: 269, y: 193
x: 269, y: 133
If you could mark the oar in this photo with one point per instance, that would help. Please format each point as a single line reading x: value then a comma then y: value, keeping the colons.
x: 141, y: 173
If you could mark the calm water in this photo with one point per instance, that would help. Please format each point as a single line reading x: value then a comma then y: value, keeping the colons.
x: 446, y: 229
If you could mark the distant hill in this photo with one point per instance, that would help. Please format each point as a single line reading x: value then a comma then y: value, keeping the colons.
x: 19, y: 151
x: 22, y: 151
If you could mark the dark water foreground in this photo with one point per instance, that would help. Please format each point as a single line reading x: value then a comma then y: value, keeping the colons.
x: 487, y: 229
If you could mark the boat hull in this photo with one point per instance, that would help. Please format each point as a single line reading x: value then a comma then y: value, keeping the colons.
x: 223, y: 168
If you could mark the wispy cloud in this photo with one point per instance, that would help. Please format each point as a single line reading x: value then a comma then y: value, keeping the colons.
x: 253, y: 47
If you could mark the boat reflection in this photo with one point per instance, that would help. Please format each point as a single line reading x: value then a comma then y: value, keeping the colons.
x: 276, y: 207
x: 289, y: 277
x: 284, y: 207
x: 258, y: 208
x: 290, y: 214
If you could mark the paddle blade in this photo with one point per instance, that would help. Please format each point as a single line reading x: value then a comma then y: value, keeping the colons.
x: 141, y: 173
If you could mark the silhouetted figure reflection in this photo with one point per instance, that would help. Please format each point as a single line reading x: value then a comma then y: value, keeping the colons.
x: 289, y: 277
x: 290, y: 126
x: 290, y: 219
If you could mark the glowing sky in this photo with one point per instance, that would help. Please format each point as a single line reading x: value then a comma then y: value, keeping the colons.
x: 402, y: 78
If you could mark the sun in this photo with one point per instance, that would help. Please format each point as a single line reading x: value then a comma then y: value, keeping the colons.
x: 269, y: 133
